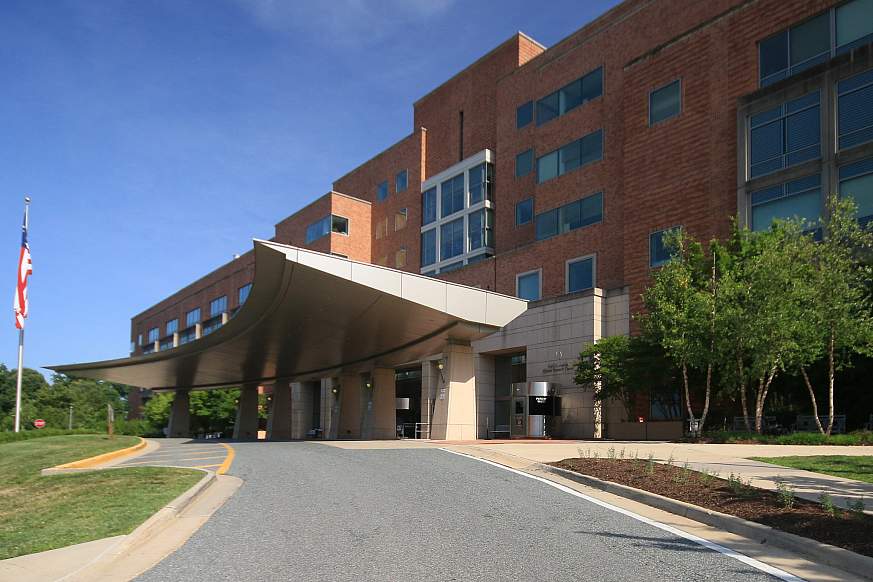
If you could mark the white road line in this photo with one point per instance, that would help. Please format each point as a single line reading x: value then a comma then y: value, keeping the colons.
x: 781, y: 574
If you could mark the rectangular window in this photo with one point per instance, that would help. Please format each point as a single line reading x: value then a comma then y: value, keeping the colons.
x: 570, y: 96
x: 580, y: 274
x: 382, y: 191
x: 524, y: 114
x: 452, y: 239
x: 523, y: 163
x: 167, y: 344
x: 318, y: 229
x: 188, y: 335
x: 243, y: 293
x: 428, y: 206
x: 855, y: 110
x: 796, y: 199
x: 211, y: 325
x: 856, y: 181
x: 481, y: 229
x: 218, y: 306
x: 659, y: 252
x: 428, y: 247
x: 854, y: 24
x: 786, y: 135
x: 401, y: 181
x: 524, y: 211
x: 574, y: 155
x: 154, y: 333
x: 400, y: 219
x: 339, y: 224
x: 548, y: 108
x: 665, y: 102
x: 452, y: 195
x: 172, y: 326
x: 576, y: 214
x: 192, y: 317
x: 480, y: 180
x: 527, y: 286
x: 381, y: 228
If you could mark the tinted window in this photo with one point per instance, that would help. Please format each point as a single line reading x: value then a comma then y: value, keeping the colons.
x: 796, y: 199
x: 659, y: 252
x: 524, y: 211
x: 172, y: 326
x: 547, y: 224
x: 476, y: 177
x: 548, y: 108
x: 382, y: 191
x: 856, y: 181
x: 854, y: 23
x: 809, y: 40
x: 481, y: 229
x: 428, y: 206
x: 547, y: 167
x: 452, y: 239
x: 529, y: 286
x: 428, y: 247
x: 339, y: 224
x: 401, y: 181
x: 580, y: 275
x: 192, y: 317
x: 243, y: 293
x: 523, y: 163
x: 786, y: 135
x: 452, y: 195
x: 665, y: 102
x: 855, y: 109
x: 524, y: 114
x: 773, y: 57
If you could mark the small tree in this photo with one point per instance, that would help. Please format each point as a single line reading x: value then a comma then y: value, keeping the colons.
x: 841, y: 306
x: 606, y: 365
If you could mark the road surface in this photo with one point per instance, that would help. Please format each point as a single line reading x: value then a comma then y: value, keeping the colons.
x: 311, y: 511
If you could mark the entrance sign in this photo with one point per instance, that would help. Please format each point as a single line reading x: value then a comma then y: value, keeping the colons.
x: 39, y: 423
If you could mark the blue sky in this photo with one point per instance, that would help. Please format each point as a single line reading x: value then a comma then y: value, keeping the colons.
x: 158, y: 137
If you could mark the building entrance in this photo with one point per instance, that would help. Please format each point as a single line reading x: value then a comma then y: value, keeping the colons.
x: 408, y: 402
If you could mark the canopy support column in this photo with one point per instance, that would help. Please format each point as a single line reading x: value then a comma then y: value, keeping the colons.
x: 279, y: 420
x: 349, y: 425
x: 246, y: 427
x: 180, y: 416
x: 454, y: 416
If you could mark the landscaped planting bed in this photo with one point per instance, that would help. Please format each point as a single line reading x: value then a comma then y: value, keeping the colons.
x: 847, y: 528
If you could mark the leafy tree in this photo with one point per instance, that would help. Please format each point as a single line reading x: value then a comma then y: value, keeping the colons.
x: 840, y: 311
x: 605, y: 364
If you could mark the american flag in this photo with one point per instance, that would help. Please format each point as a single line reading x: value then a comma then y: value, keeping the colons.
x: 25, y: 268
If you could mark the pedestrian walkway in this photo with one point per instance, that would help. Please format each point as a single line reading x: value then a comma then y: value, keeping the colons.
x: 722, y: 459
x: 194, y: 454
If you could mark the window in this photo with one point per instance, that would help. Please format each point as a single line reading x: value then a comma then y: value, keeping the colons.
x: 480, y: 183
x: 452, y: 195
x: 811, y: 42
x: 187, y: 335
x: 192, y: 317
x: 452, y: 239
x: 428, y: 247
x: 580, y: 274
x: 856, y: 180
x: 659, y: 251
x: 154, y: 333
x: 524, y: 114
x: 243, y: 293
x: 172, y: 326
x: 428, y: 206
x: 148, y: 349
x: 218, y: 306
x: 318, y: 229
x: 785, y: 135
x: 481, y: 229
x: 855, y: 109
x: 400, y: 258
x: 167, y: 344
x: 665, y: 102
x: 524, y: 211
x: 571, y: 156
x: 798, y: 198
x: 381, y: 228
x: 400, y: 219
x: 527, y: 286
x: 523, y: 163
x: 382, y: 191
x: 583, y: 212
x: 401, y: 181
x: 570, y: 96
x: 339, y: 224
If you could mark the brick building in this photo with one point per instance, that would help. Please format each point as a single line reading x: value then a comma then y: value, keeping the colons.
x: 551, y: 174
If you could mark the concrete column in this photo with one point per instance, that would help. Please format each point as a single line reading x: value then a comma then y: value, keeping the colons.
x: 279, y: 419
x: 246, y: 427
x: 349, y: 425
x: 455, y: 406
x: 599, y: 315
x: 384, y: 404
x: 329, y: 407
x: 180, y: 416
x: 430, y: 386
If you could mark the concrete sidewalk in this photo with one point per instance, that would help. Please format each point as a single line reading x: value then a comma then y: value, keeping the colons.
x: 721, y: 459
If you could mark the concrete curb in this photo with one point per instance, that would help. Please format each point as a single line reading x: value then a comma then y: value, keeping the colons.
x: 840, y: 558
x: 93, y: 462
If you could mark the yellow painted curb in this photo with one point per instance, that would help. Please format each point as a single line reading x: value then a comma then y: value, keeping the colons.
x: 100, y: 459
x: 228, y: 460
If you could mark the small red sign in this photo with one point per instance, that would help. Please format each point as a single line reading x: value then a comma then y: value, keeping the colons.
x: 641, y: 419
x: 39, y: 423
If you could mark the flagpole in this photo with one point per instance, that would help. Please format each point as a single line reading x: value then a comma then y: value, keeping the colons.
x: 20, y: 342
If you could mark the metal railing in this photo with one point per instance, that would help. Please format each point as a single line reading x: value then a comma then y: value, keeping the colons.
x: 413, y: 430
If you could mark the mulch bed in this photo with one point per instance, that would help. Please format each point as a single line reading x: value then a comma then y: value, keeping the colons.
x: 845, y: 529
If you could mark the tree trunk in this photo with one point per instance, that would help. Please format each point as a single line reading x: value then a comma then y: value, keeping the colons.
x: 706, y: 398
x: 830, y: 383
x: 687, y: 395
x: 743, y: 394
x: 812, y: 397
x: 763, y: 387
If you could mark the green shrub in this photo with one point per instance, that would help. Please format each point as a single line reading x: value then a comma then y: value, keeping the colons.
x: 11, y: 437
x: 856, y: 438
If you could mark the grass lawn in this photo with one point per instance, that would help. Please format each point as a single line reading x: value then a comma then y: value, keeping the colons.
x: 847, y: 467
x: 42, y: 513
